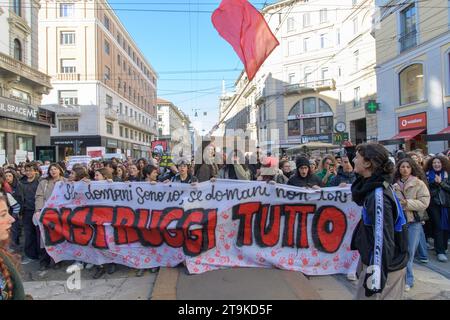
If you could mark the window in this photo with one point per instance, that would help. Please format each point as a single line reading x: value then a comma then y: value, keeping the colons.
x: 107, y: 48
x: 119, y: 61
x: 106, y: 22
x: 356, y: 60
x: 306, y: 20
x: 325, y: 74
x: 408, y: 28
x: 120, y: 107
x: 323, y: 40
x: 68, y: 66
x: 107, y: 73
x: 68, y: 97
x: 340, y: 97
x: 131, y: 135
x: 355, y: 25
x: 338, y: 37
x: 323, y: 15
x: 324, y: 107
x: 109, y: 127
x: 126, y: 133
x: 160, y: 118
x: 326, y: 125
x: 293, y: 127
x: 339, y: 71
x: 67, y: 38
x: 291, y: 48
x: 119, y: 37
x: 66, y: 10
x: 126, y: 110
x: 291, y: 78
x: 121, y: 131
x: 68, y: 125
x: 412, y: 84
x: 109, y: 101
x: 290, y: 24
x: 356, y: 98
x: 354, y: 2
x: 20, y: 95
x: 309, y: 126
x: 140, y: 136
x: 308, y: 75
x: 18, y: 7
x: 17, y: 50
x: 25, y: 143
x: 309, y: 105
x: 305, y: 45
x: 119, y: 81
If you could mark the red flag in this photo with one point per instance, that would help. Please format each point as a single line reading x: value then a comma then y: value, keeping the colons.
x: 244, y: 27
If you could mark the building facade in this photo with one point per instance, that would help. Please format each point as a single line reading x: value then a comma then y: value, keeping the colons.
x: 322, y: 73
x: 24, y: 124
x: 173, y: 124
x: 413, y: 53
x: 104, y: 88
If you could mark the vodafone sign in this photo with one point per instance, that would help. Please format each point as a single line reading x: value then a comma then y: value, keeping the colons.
x: 415, y: 121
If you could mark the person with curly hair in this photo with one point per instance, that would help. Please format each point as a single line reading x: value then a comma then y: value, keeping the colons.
x: 11, y: 287
x: 437, y: 170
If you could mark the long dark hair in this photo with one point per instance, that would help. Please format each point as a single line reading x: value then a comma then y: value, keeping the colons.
x: 416, y: 170
x: 4, y: 271
x: 378, y: 156
x: 444, y: 161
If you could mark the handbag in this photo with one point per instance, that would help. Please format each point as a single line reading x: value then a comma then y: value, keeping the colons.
x: 420, y: 216
x: 442, y: 199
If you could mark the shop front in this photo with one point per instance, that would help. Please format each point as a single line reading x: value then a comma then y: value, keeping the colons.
x: 444, y: 134
x: 412, y: 130
x: 74, y: 145
x: 22, y: 128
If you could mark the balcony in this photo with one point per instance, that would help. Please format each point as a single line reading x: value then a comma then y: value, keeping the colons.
x: 408, y: 40
x: 111, y: 114
x: 317, y: 86
x: 19, y: 68
x: 68, y: 77
x: 64, y: 111
x: 131, y: 121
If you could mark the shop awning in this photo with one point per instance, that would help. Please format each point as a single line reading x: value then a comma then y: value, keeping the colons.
x: 442, y: 135
x: 402, y: 137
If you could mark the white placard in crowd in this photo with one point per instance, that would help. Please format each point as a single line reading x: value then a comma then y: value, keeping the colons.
x: 209, y: 226
x: 44, y: 170
x: 21, y: 156
x: 85, y: 160
x: 2, y: 157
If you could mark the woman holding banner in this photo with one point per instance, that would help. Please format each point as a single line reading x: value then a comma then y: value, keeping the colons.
x: 381, y: 235
x: 43, y: 193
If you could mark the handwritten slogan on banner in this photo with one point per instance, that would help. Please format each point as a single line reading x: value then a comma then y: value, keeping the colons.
x: 208, y: 226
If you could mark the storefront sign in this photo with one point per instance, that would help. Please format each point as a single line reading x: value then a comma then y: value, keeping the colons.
x: 327, y: 138
x: 414, y: 121
x: 82, y: 141
x: 111, y: 143
x: 310, y: 115
x: 448, y: 116
x: 340, y: 137
x: 95, y: 152
x: 16, y: 110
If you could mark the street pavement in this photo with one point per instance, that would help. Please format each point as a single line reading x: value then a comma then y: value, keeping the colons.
x: 432, y: 283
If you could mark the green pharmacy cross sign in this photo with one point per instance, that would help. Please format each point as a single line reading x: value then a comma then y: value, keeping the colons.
x: 372, y: 106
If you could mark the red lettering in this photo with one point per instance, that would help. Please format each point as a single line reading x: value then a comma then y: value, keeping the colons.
x: 124, y: 223
x: 245, y: 212
x: 193, y: 238
x: 270, y: 235
x: 52, y: 226
x: 100, y: 216
x: 173, y: 237
x: 329, y: 227
x: 212, y: 223
x: 81, y: 232
x: 149, y: 235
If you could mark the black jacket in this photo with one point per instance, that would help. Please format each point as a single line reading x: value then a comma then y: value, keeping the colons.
x: 307, y: 182
x: 435, y: 188
x: 343, y: 177
x: 29, y: 194
x: 17, y: 192
x: 395, y: 244
x: 189, y: 179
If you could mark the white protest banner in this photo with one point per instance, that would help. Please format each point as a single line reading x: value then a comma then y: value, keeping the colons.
x: 210, y: 226
x: 21, y: 156
x: 2, y: 157
x: 84, y: 160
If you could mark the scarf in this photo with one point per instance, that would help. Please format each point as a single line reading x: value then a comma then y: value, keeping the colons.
x: 431, y: 176
x: 362, y: 186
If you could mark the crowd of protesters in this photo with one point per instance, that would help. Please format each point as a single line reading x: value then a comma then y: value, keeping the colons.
x: 420, y: 183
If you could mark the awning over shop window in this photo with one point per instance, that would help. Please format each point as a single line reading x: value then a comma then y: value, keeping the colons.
x: 402, y: 137
x: 442, y: 135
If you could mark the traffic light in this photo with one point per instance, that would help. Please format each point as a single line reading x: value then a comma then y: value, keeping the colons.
x: 372, y: 106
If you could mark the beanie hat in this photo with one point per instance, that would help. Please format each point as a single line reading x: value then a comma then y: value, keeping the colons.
x: 301, y: 161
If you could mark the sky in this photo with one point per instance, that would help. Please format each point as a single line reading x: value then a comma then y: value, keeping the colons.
x: 191, y: 59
